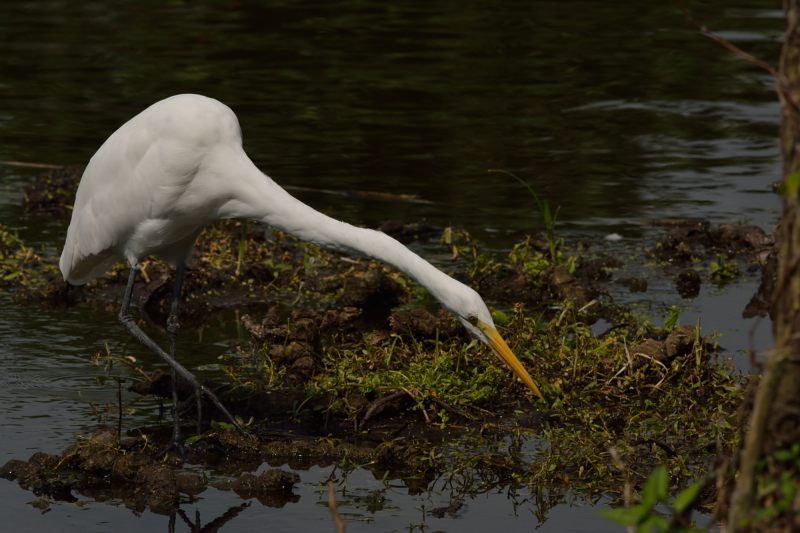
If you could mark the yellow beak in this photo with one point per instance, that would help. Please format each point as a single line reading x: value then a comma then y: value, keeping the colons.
x: 502, y: 350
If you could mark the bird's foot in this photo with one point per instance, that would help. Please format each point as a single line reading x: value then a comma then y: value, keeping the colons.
x: 200, y: 389
x: 175, y: 451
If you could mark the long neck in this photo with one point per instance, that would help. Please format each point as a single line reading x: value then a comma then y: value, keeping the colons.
x: 261, y: 198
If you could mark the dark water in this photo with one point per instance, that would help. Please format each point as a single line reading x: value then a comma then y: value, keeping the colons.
x: 615, y: 111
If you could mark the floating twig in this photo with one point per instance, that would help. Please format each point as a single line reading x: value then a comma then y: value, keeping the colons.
x: 337, y: 520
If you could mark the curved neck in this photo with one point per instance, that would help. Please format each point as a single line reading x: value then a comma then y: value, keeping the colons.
x: 261, y: 198
x: 312, y: 226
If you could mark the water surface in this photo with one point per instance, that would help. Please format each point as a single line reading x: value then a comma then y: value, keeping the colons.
x: 616, y: 112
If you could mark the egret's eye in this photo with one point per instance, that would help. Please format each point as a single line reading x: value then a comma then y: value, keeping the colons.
x: 472, y: 319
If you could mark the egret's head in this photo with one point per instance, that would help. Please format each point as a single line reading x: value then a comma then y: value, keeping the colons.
x: 472, y: 312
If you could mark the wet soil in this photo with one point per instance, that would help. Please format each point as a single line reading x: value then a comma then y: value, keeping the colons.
x: 304, y: 307
x: 693, y: 250
x: 132, y: 471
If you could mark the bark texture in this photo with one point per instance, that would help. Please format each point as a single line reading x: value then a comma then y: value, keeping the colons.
x: 775, y: 420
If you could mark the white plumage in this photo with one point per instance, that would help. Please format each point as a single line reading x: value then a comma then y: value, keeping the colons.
x: 178, y: 166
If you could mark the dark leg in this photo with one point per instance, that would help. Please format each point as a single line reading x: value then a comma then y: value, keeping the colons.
x: 173, y: 325
x: 127, y: 320
x: 172, y: 334
x: 199, y: 401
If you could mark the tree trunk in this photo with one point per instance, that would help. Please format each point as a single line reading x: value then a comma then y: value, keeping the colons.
x: 775, y: 420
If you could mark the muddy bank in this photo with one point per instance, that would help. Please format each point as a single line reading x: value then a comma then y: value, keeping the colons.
x: 347, y: 362
x: 132, y: 471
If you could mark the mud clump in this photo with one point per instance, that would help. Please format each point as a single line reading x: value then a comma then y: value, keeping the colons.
x: 693, y: 241
x: 190, y: 483
x: 743, y: 237
x: 687, y: 283
x: 567, y: 287
x: 373, y: 291
x: 273, y: 487
x: 139, y: 475
x: 634, y: 284
x: 680, y: 342
x: 35, y: 475
x: 296, y: 342
x: 160, y: 486
x: 598, y: 268
x: 761, y: 302
x: 450, y: 510
x: 553, y: 283
x: 421, y: 324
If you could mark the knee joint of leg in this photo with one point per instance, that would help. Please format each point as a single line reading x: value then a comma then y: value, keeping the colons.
x: 172, y: 324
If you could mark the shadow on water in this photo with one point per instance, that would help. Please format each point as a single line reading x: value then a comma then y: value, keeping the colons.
x: 615, y: 112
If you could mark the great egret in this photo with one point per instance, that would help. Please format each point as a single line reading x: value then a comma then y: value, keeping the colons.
x: 179, y: 165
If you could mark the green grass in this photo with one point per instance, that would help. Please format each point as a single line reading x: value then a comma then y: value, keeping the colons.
x: 600, y: 395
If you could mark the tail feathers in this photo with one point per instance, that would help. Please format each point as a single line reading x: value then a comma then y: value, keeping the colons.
x: 77, y: 268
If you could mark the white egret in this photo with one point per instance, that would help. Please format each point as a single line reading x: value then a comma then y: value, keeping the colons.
x: 178, y: 166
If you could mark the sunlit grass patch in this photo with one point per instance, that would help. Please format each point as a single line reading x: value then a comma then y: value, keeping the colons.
x: 433, y: 374
x: 21, y: 265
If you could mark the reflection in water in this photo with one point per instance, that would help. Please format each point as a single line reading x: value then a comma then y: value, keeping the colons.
x: 195, y: 526
x: 613, y: 111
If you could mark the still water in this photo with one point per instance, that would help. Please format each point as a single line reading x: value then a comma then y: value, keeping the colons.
x: 616, y: 112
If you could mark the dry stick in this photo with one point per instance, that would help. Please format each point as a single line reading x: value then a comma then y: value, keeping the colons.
x: 379, y: 403
x: 781, y: 84
x: 627, y: 493
x: 364, y: 195
x: 337, y: 520
x: 751, y: 343
x: 661, y: 444
x: 25, y: 164
x: 453, y: 409
x: 747, y: 56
